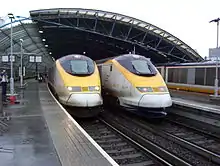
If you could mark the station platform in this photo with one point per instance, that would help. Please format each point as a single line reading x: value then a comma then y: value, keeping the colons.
x: 197, y: 100
x: 41, y: 133
x: 202, y: 107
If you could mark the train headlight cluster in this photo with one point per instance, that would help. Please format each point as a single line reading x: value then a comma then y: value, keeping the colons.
x: 74, y: 88
x: 145, y: 89
x: 94, y: 88
x: 150, y: 89
x: 163, y: 89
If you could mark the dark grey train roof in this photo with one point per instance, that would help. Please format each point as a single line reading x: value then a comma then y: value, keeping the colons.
x: 74, y: 56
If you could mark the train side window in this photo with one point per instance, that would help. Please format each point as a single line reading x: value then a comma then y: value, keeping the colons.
x: 111, y: 68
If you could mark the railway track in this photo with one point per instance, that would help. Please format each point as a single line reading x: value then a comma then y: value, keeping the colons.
x: 204, y: 139
x: 164, y: 136
x: 124, y: 150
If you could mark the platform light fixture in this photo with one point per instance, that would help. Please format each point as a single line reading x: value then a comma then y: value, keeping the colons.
x: 43, y: 40
x: 216, y: 73
x: 40, y: 31
x: 21, y: 68
x: 46, y: 45
x: 50, y: 53
x: 11, y: 16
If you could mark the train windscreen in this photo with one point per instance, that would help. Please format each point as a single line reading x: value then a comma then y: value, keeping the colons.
x: 78, y: 66
x: 138, y: 65
x: 141, y: 66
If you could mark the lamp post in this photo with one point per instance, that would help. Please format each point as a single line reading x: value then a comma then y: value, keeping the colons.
x: 21, y: 68
x: 11, y: 16
x: 134, y: 43
x: 216, y: 71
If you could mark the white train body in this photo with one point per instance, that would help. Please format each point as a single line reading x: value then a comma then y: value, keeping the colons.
x: 124, y: 86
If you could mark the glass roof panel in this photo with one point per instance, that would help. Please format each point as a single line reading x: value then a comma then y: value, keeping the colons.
x: 166, y: 35
x: 142, y: 25
x: 171, y: 38
x: 151, y: 28
x: 157, y: 31
x: 184, y: 46
x: 118, y: 17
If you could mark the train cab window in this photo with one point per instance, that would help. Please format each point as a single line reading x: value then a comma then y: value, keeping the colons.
x: 78, y: 66
x: 138, y: 65
x: 141, y: 66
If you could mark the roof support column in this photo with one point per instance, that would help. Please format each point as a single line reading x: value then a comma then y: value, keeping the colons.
x: 77, y: 23
x: 96, y: 20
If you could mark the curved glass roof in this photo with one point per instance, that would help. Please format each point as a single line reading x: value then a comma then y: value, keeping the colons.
x: 122, y: 19
x: 25, y: 36
x: 113, y: 32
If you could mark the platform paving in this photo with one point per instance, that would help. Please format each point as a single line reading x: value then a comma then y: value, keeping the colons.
x: 195, y: 100
x: 42, y: 134
x: 72, y: 145
x: 27, y: 142
x: 194, y: 96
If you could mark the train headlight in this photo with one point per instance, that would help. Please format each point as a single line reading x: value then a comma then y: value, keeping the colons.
x: 162, y: 89
x: 145, y: 89
x: 74, y: 88
x: 69, y: 88
x: 94, y: 88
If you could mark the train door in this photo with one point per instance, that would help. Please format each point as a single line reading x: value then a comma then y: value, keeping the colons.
x: 106, y: 71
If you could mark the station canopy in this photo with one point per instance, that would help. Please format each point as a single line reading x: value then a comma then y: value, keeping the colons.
x: 54, y: 33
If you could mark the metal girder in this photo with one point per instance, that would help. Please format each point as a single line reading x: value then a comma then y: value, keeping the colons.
x: 171, y: 49
x: 121, y: 19
x: 141, y: 33
x: 113, y: 26
x: 77, y: 22
x: 157, y: 32
x: 86, y: 24
x: 113, y: 37
x: 149, y: 42
x: 164, y: 47
x: 104, y: 27
x: 184, y: 55
x: 159, y: 43
x: 144, y: 37
x: 96, y: 20
x: 129, y: 30
x: 161, y: 38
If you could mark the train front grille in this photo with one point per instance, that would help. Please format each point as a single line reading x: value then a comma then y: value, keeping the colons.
x: 84, y: 89
x: 155, y: 89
